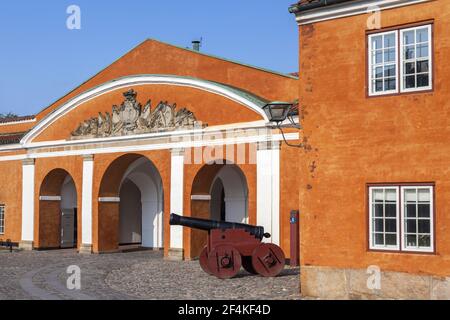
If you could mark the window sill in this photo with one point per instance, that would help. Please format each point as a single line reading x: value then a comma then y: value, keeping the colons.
x: 405, y: 93
x: 410, y: 252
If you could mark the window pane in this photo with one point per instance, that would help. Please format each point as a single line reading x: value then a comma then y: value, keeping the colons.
x: 391, y: 239
x: 424, y: 210
x: 411, y: 226
x: 411, y: 210
x: 378, y: 57
x: 378, y: 225
x: 389, y: 55
x: 389, y: 71
x: 379, y: 85
x: 389, y: 84
x: 410, y: 68
x: 422, y: 51
x: 391, y: 210
x: 411, y: 240
x: 391, y: 225
x: 379, y: 72
x: 379, y: 239
x: 389, y: 40
x: 422, y: 66
x: 411, y: 195
x: 424, y: 241
x: 409, y: 37
x: 391, y: 195
x: 377, y: 42
x: 410, y: 52
x: 424, y: 195
x: 410, y: 82
x: 378, y: 212
x: 424, y: 226
x: 423, y: 80
x: 422, y: 35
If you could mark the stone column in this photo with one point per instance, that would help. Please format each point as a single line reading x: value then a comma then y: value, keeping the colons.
x: 86, y: 204
x: 268, y: 189
x: 28, y: 169
x: 176, y: 250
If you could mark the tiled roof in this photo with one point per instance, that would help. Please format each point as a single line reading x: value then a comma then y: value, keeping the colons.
x: 16, y: 119
x: 304, y: 5
x: 11, y: 138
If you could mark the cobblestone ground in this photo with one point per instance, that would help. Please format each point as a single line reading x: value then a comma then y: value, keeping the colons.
x: 134, y: 275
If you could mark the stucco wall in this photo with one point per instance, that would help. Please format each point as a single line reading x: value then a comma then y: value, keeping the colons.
x: 352, y: 140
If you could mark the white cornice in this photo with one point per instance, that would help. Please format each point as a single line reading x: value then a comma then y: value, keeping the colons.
x: 208, y: 86
x: 349, y: 9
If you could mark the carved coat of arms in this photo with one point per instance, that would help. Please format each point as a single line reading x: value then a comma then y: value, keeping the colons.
x: 131, y: 118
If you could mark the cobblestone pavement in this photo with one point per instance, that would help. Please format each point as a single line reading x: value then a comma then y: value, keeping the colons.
x: 133, y: 275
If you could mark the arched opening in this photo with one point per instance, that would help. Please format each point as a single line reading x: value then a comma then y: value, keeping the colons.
x: 219, y: 192
x: 131, y: 205
x: 58, y: 212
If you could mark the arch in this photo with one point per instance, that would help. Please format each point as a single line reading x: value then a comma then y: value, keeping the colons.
x: 208, y: 185
x: 57, y: 215
x: 243, y: 98
x: 130, y: 206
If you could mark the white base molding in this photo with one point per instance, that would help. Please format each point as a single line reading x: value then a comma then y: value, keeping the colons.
x: 343, y: 284
x: 85, y: 249
x: 26, y: 245
x: 175, y: 255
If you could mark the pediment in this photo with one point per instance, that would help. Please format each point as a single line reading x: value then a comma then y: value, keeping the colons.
x: 131, y: 118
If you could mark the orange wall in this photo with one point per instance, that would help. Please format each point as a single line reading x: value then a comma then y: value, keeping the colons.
x: 11, y: 197
x: 353, y: 140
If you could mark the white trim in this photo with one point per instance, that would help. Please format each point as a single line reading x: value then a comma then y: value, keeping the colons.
x: 150, y: 146
x: 402, y: 210
x: 371, y: 244
x: 136, y: 81
x: 86, y: 201
x: 109, y: 199
x: 350, y: 9
x: 10, y: 123
x: 11, y: 147
x: 50, y: 198
x: 28, y: 171
x: 201, y: 197
x: 177, y: 197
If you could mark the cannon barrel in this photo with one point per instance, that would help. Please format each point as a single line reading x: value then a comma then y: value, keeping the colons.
x: 207, y: 225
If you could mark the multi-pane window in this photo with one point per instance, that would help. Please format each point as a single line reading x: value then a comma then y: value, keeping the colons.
x: 2, y: 219
x: 401, y: 218
x: 383, y: 62
x: 400, y: 61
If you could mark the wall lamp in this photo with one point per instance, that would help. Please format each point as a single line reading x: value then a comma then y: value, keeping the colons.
x: 278, y: 112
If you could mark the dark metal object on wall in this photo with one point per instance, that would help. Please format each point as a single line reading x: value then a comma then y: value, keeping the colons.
x: 232, y: 245
x: 295, y: 238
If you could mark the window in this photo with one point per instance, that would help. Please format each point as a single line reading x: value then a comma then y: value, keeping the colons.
x: 400, y: 61
x: 401, y: 218
x: 2, y: 219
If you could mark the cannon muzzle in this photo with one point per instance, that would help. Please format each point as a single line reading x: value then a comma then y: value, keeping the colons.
x: 207, y: 225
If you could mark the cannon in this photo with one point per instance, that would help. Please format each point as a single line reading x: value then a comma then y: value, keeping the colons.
x: 232, y: 245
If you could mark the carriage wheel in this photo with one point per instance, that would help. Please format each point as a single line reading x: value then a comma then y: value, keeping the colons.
x: 224, y: 261
x: 268, y: 260
x: 247, y: 264
x: 204, y: 260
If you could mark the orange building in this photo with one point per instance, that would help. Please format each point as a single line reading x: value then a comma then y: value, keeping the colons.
x: 374, y: 174
x: 162, y: 130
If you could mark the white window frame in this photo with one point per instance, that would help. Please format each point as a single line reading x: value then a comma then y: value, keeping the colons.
x: 371, y: 217
x: 371, y: 66
x: 430, y: 58
x: 420, y: 249
x: 399, y: 60
x: 2, y: 217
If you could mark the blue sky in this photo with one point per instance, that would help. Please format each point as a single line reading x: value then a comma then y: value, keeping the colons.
x: 41, y: 60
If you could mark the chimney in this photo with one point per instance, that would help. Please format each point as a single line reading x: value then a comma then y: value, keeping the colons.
x: 196, y: 45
